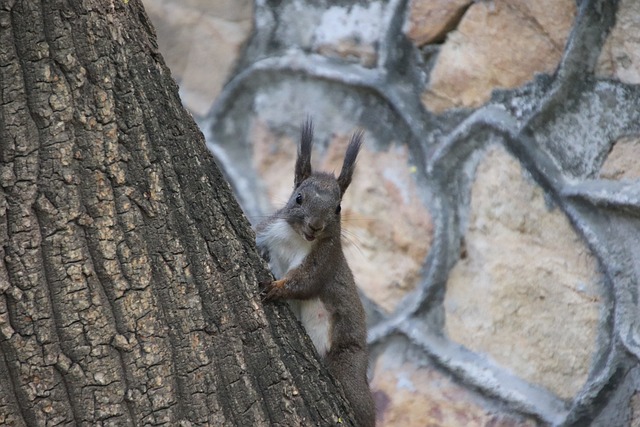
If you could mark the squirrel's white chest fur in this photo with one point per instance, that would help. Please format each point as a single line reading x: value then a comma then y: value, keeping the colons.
x: 287, y: 250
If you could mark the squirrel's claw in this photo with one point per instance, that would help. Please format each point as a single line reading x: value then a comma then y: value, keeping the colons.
x: 264, y: 289
x: 271, y: 290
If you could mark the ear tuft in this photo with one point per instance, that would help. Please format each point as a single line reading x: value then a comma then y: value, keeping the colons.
x: 349, y: 164
x: 303, y: 162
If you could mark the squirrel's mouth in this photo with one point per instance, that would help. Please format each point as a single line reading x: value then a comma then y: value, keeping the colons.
x: 308, y: 237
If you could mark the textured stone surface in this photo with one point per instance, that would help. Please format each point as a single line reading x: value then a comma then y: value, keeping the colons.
x: 418, y: 394
x: 201, y: 41
x: 620, y: 56
x: 387, y: 230
x: 348, y: 31
x: 352, y: 32
x: 525, y: 299
x: 624, y: 408
x: 635, y: 410
x: 622, y: 161
x: 498, y: 44
x: 525, y: 272
x: 429, y: 21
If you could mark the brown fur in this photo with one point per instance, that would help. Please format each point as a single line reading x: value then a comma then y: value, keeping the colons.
x: 313, y: 211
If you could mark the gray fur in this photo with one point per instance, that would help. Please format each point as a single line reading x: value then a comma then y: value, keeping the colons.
x: 309, y: 259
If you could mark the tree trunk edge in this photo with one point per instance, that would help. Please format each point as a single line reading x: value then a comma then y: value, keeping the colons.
x: 99, y: 196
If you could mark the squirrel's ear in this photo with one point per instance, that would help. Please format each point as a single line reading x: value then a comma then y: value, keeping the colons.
x: 303, y: 163
x: 349, y: 164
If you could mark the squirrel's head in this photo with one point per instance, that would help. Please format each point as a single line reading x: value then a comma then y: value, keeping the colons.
x: 313, y: 210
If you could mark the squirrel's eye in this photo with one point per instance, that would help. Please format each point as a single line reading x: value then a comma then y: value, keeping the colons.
x: 338, y: 209
x: 299, y: 199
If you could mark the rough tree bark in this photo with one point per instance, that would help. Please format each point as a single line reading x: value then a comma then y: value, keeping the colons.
x: 128, y: 273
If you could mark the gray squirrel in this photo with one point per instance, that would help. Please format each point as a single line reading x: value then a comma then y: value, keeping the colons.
x: 302, y: 243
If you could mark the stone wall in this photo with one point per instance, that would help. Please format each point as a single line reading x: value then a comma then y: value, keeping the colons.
x: 493, y: 223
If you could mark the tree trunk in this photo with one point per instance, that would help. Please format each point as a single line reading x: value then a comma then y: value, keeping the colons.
x: 128, y: 274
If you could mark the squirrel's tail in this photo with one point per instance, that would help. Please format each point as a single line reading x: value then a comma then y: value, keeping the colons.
x: 350, y: 368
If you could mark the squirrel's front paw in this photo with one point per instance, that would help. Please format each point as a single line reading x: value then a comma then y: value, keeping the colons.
x: 272, y: 290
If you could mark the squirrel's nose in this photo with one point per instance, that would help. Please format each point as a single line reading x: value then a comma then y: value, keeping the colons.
x: 316, y: 224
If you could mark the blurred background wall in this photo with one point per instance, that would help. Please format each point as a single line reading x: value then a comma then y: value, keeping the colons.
x: 493, y: 224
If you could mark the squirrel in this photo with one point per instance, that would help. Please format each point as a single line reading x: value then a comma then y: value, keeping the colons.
x: 302, y: 243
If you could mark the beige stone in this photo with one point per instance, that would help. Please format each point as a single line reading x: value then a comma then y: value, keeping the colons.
x: 229, y: 10
x: 387, y: 227
x: 498, y: 44
x: 274, y: 158
x: 620, y: 55
x: 429, y: 21
x: 409, y: 394
x: 200, y: 41
x: 622, y: 161
x: 387, y: 231
x: 527, y: 290
x: 351, y: 33
x: 350, y: 49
